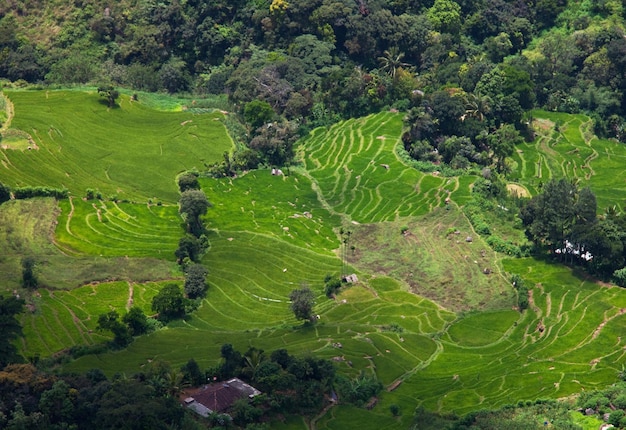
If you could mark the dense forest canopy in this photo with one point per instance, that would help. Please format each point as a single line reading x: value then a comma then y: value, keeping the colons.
x: 316, y: 61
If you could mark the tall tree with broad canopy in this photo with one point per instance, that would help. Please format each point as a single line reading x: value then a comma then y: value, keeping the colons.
x: 193, y: 204
x: 302, y: 301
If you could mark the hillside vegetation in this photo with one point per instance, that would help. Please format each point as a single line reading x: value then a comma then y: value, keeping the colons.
x: 398, y: 205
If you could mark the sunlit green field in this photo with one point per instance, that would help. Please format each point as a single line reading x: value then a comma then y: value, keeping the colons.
x: 573, y: 152
x: 457, y: 345
x: 131, y: 151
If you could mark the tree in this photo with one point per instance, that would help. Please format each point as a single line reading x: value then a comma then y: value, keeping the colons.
x: 111, y: 322
x: 188, y: 181
x: 192, y: 375
x: 549, y: 216
x: 10, y: 328
x: 252, y: 359
x: 190, y: 247
x: 391, y: 61
x: 169, y: 302
x: 29, y: 278
x: 502, y: 143
x: 5, y: 191
x: 110, y: 93
x: 136, y: 321
x: 195, y: 280
x: 445, y: 16
x: 302, y: 301
x: 258, y: 112
x: 192, y: 205
x: 57, y: 403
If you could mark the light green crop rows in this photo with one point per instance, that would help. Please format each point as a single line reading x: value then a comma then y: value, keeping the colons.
x: 271, y: 234
x: 130, y: 151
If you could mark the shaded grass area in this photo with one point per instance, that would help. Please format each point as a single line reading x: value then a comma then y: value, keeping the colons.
x: 131, y: 151
x: 566, y: 147
x: 27, y: 231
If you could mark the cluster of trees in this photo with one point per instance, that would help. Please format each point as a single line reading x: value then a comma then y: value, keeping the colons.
x: 31, y: 399
x: 465, y: 69
x: 563, y: 219
x: 193, y: 205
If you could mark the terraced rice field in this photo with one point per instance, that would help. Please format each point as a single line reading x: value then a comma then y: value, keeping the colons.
x: 458, y: 346
x: 566, y: 147
x: 132, y: 152
x: 358, y: 174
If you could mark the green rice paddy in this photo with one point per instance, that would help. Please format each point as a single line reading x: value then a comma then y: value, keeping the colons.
x: 424, y: 317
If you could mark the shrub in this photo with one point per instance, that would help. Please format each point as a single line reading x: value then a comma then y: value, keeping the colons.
x: 30, y: 192
x: 619, y: 277
x: 331, y: 286
x: 522, y: 298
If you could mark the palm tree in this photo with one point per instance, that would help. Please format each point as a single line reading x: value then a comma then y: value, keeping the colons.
x: 391, y: 61
x: 477, y: 106
x: 253, y: 359
x: 173, y: 381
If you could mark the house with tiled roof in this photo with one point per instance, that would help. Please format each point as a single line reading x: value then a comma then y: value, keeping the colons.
x: 219, y: 397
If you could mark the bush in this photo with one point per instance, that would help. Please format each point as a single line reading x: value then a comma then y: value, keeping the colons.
x: 522, y: 298
x: 331, y: 286
x: 30, y: 192
x: 619, y: 277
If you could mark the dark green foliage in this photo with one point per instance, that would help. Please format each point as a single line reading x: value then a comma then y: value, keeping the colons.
x: 258, y: 112
x: 131, y: 398
x: 193, y: 204
x: 10, y: 308
x: 169, y: 303
x: 358, y: 391
x: 5, y: 192
x: 192, y: 374
x: 188, y: 181
x: 30, y: 192
x: 195, y: 280
x: 243, y: 412
x: 57, y: 403
x: 29, y: 277
x: 619, y: 277
x: 274, y: 142
x: 111, y: 322
x: 110, y: 94
x: 331, y: 285
x: 136, y: 321
x: 191, y: 247
x: 302, y: 301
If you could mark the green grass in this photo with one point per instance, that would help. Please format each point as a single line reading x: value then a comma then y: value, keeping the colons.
x: 132, y: 151
x: 118, y: 229
x: 571, y: 152
x: 58, y: 320
x: 458, y: 346
x: 359, y: 175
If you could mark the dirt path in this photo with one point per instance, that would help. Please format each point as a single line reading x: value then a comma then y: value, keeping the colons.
x: 131, y: 291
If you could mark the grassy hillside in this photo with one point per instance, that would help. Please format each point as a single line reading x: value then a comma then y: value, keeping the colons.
x: 455, y: 346
x: 565, y: 146
x: 74, y: 140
